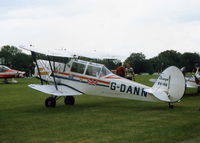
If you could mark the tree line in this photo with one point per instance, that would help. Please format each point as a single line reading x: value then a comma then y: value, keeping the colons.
x: 162, y: 61
x: 15, y: 58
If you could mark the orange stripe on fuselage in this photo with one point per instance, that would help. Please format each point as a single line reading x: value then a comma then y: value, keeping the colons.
x: 83, y: 77
x: 63, y: 73
x: 40, y: 69
x: 8, y: 75
x: 113, y: 77
x: 43, y: 73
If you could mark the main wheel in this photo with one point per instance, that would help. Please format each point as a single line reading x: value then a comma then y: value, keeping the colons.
x: 50, y: 102
x: 5, y: 81
x: 198, y: 89
x: 170, y: 106
x: 69, y: 100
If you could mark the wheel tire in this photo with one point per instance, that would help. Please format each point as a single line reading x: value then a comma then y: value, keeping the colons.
x: 198, y: 89
x: 5, y: 81
x: 69, y: 100
x: 50, y: 102
x: 171, y: 107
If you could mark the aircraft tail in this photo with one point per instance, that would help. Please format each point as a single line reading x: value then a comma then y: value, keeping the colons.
x: 170, y: 85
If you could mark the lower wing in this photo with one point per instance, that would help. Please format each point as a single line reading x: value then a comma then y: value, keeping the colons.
x: 50, y: 89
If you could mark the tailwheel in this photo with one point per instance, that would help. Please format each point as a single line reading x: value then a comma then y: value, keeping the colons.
x: 170, y: 106
x: 198, y: 89
x: 69, y: 100
x: 50, y: 102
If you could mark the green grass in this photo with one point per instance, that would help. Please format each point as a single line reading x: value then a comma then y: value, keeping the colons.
x: 24, y: 119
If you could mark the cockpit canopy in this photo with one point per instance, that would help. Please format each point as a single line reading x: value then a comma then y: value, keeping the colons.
x: 3, y: 68
x: 89, y: 68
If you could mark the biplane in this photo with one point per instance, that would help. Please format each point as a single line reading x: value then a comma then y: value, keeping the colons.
x: 79, y: 77
x: 8, y: 73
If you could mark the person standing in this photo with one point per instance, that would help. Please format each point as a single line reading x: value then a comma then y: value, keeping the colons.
x: 129, y: 72
x: 121, y: 70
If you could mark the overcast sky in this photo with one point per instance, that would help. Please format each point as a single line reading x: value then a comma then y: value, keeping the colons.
x: 107, y: 27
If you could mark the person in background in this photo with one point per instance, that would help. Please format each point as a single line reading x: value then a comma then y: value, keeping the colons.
x: 129, y: 72
x: 197, y: 73
x: 121, y: 70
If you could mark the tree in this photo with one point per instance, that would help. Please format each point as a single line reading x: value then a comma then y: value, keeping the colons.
x: 169, y: 58
x: 137, y: 61
x: 109, y: 63
x: 8, y: 53
x: 23, y: 62
x: 155, y: 64
x: 14, y: 58
x: 148, y: 66
x: 189, y: 60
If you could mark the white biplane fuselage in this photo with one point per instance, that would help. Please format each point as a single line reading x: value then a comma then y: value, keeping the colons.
x: 81, y: 77
x: 93, y: 79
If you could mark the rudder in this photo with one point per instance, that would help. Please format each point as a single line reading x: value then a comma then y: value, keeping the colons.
x: 171, y: 82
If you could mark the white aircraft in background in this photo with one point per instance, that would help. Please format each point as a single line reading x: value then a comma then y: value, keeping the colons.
x: 78, y: 77
x: 191, y: 82
x: 194, y: 81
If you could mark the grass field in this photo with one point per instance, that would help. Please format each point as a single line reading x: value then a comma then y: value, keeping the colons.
x: 25, y: 119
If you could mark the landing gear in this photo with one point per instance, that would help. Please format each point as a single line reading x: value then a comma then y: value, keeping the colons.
x: 69, y: 100
x: 5, y: 81
x: 198, y: 89
x: 170, y: 106
x: 50, y: 102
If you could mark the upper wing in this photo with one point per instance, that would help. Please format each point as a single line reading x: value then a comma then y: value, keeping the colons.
x: 50, y: 89
x: 71, y: 54
x: 54, y: 53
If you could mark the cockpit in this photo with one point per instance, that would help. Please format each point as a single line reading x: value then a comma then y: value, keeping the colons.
x: 89, y: 68
x: 3, y: 68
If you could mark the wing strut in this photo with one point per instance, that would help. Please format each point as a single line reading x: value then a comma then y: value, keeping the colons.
x: 35, y: 60
x: 52, y: 71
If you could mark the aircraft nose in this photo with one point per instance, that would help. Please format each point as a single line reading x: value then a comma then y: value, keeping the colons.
x: 20, y: 73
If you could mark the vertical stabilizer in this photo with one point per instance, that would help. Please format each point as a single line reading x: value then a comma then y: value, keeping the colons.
x: 170, y: 85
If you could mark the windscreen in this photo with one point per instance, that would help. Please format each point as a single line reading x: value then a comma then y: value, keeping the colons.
x: 78, y: 67
x: 93, y: 70
x: 3, y: 68
x: 105, y: 71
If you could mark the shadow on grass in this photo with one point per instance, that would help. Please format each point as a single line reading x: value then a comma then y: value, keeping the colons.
x: 191, y: 94
x: 105, y: 106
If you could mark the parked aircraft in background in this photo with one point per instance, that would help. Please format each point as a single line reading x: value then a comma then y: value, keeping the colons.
x: 190, y: 82
x: 194, y: 81
x: 78, y: 77
x: 8, y: 73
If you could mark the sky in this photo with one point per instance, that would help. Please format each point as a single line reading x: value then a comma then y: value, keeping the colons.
x: 102, y: 27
